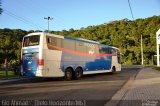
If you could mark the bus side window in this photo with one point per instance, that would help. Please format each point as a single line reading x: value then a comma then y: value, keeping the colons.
x: 49, y: 40
x: 108, y: 50
x: 119, y: 57
x: 113, y: 51
x: 69, y: 44
x: 53, y: 41
x: 103, y: 50
x: 80, y: 47
x: 59, y: 42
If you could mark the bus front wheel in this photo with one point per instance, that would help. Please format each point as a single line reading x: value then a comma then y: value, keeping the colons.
x: 78, y: 73
x: 68, y: 74
x: 113, y: 69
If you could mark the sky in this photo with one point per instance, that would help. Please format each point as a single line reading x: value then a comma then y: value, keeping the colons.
x: 67, y: 14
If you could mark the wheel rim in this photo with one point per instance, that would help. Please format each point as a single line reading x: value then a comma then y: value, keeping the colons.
x: 68, y: 75
x: 78, y: 73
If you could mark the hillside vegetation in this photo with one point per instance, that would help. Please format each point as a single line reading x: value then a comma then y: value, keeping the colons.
x: 124, y: 34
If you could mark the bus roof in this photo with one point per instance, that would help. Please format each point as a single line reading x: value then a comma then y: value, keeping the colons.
x: 34, y: 33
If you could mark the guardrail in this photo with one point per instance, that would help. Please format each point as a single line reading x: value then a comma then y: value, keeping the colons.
x: 137, y: 66
x: 10, y: 72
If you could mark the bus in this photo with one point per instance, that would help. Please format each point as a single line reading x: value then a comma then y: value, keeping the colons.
x: 49, y: 55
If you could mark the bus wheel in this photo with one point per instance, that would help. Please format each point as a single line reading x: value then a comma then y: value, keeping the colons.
x: 113, y: 69
x: 78, y: 73
x: 68, y: 74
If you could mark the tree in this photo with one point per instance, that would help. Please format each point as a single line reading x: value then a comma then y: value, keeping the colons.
x: 10, y: 44
x: 123, y: 34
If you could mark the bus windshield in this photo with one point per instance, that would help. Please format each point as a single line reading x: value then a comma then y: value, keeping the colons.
x: 31, y: 40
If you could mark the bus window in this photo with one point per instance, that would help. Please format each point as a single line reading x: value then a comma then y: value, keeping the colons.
x: 31, y: 40
x: 118, y: 56
x: 80, y: 47
x: 104, y: 50
x: 69, y: 44
x: 53, y: 41
x: 49, y: 40
x: 113, y: 51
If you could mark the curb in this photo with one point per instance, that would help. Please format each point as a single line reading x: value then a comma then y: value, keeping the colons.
x: 8, y: 80
x: 117, y: 97
x: 12, y: 80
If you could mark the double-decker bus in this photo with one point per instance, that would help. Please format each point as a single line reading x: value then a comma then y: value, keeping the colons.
x: 50, y: 55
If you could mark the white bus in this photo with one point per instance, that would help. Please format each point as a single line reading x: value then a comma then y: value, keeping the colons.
x: 50, y: 55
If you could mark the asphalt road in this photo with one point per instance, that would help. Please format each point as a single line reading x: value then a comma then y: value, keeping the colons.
x: 91, y: 90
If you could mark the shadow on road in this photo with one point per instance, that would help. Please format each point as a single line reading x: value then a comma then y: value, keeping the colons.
x: 92, y: 77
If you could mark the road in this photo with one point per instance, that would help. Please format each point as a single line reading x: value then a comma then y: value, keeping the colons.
x: 94, y: 90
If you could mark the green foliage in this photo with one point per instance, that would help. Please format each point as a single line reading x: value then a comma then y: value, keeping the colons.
x: 10, y: 44
x: 124, y: 34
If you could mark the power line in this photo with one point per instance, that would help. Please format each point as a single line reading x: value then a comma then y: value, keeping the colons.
x: 13, y: 16
x: 43, y: 11
x: 40, y: 10
x: 142, y: 60
x: 22, y: 19
x: 131, y: 10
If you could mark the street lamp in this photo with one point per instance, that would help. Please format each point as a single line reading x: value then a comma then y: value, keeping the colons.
x: 48, y: 18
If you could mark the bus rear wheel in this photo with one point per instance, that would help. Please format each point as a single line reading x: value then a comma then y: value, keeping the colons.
x: 78, y: 73
x: 68, y: 74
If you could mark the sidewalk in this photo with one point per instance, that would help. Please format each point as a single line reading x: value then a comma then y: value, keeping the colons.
x: 140, y: 90
x: 145, y: 90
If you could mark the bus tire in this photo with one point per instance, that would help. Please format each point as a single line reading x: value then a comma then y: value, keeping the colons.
x: 68, y: 74
x: 113, y: 69
x: 78, y: 73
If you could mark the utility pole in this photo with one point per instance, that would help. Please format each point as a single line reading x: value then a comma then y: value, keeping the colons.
x: 6, y: 65
x: 141, y: 50
x: 141, y: 34
x: 157, y: 43
x: 48, y: 18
